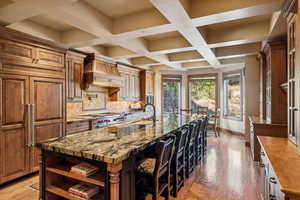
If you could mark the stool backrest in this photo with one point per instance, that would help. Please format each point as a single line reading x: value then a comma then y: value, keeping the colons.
x: 164, y: 152
x: 181, y: 138
x: 199, y: 126
x: 205, y: 123
x: 192, y: 131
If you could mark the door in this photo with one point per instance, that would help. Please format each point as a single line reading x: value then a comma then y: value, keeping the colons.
x: 47, y: 97
x: 14, y: 140
x: 171, y: 94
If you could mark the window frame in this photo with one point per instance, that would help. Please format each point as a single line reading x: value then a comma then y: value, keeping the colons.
x: 171, y: 78
x: 225, y: 96
x: 215, y: 75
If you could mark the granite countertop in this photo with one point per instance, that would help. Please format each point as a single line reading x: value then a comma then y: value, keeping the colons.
x: 115, y: 143
x: 285, y: 162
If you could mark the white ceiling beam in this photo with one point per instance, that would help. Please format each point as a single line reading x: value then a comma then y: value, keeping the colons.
x: 177, y: 15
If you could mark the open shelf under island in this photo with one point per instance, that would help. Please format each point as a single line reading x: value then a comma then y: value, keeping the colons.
x: 112, y: 150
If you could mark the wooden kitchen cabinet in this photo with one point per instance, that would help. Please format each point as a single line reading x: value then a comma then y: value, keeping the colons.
x: 146, y: 84
x: 74, y: 80
x: 27, y: 55
x: 14, y: 136
x: 275, y: 75
x: 279, y: 169
x: 32, y: 100
x: 290, y: 10
x: 260, y: 127
x: 47, y: 97
x: 131, y: 89
x: 17, y: 52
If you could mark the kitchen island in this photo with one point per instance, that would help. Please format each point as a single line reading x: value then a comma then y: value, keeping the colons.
x: 112, y: 149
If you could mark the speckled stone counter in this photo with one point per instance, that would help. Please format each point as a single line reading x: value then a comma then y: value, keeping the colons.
x: 115, y: 143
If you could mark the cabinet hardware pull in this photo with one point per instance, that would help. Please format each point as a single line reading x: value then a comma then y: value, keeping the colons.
x: 272, y: 197
x: 28, y: 125
x: 262, y: 165
x: 32, y: 125
x: 262, y: 153
x: 273, y: 180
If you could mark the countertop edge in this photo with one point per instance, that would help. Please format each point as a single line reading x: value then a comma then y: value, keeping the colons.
x: 283, y: 188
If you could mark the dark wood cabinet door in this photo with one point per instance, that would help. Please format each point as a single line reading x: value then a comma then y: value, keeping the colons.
x: 14, y: 138
x: 77, y: 73
x: 75, y: 64
x: 70, y: 79
x: 48, y: 99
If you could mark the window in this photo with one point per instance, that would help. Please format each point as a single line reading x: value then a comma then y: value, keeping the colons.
x: 171, y: 94
x: 203, y: 95
x: 232, y: 88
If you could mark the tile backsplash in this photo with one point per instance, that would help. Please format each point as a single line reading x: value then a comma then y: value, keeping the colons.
x: 76, y: 108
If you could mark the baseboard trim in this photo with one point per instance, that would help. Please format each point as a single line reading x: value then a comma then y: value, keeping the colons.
x: 231, y: 132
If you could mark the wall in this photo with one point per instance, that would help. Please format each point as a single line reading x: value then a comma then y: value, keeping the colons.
x: 158, y: 93
x: 250, y: 92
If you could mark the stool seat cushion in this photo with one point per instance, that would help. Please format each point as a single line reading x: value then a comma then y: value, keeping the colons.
x: 147, y: 166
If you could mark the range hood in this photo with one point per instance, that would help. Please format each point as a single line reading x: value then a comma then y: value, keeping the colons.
x: 101, y: 74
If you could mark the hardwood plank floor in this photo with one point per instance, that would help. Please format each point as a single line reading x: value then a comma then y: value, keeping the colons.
x: 228, y: 173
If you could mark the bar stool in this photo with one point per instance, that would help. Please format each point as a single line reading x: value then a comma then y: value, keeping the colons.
x: 204, y: 135
x: 198, y: 141
x: 155, y: 172
x: 178, y: 166
x: 190, y: 149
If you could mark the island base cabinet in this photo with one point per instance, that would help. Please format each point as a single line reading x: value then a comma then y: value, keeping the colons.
x: 115, y: 181
x: 270, y: 187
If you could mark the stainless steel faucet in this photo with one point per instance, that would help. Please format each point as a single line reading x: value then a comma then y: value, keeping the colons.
x: 154, y: 111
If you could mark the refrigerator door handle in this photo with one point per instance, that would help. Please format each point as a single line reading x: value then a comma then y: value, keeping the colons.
x: 28, y: 125
x: 32, y: 125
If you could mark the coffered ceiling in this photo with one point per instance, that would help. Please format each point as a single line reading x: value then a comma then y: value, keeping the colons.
x: 151, y: 34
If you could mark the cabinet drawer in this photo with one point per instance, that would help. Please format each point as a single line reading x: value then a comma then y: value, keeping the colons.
x: 16, y: 52
x: 50, y: 58
x: 75, y: 127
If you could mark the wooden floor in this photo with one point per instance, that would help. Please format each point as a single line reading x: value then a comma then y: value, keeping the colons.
x: 228, y: 173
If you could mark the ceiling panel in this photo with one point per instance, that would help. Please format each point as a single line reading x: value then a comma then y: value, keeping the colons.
x: 199, y: 8
x: 4, y: 3
x: 238, y: 22
x: 117, y: 8
x: 51, y: 23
